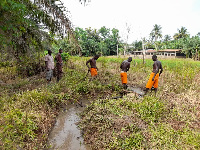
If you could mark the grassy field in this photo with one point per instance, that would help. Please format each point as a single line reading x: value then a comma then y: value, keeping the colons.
x: 28, y: 106
x: 168, y: 121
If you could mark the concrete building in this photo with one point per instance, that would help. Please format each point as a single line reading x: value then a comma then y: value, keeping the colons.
x: 169, y: 53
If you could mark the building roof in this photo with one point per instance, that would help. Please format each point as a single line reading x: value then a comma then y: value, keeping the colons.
x: 151, y: 51
x: 164, y: 50
x: 138, y: 51
x: 170, y: 50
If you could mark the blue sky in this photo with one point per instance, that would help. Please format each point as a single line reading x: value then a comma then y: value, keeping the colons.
x: 138, y: 15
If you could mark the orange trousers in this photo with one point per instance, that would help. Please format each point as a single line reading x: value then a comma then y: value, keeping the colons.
x: 93, y: 71
x: 123, y: 77
x: 154, y: 83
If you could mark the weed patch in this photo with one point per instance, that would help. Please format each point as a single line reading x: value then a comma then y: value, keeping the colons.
x: 151, y: 109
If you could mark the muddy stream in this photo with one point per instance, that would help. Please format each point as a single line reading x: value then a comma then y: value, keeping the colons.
x: 65, y: 134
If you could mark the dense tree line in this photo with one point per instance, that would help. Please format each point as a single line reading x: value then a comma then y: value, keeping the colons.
x: 105, y: 41
x: 92, y: 41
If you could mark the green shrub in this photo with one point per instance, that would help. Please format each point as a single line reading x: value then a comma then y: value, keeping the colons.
x: 65, y: 56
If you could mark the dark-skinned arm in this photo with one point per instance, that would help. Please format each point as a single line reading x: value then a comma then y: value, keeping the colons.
x: 128, y: 67
x: 161, y: 69
x: 88, y: 64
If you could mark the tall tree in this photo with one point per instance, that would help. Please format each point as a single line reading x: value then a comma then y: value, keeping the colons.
x: 114, y: 41
x: 156, y: 33
x: 166, y: 40
x: 191, y: 47
x: 28, y: 26
x: 182, y: 33
x: 93, y: 41
x: 104, y: 32
x: 128, y: 29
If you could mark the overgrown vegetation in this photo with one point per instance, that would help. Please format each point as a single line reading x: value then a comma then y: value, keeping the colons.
x: 27, y: 28
x: 28, y: 106
x: 168, y: 121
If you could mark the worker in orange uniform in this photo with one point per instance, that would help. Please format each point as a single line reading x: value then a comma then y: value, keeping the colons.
x: 125, y: 66
x: 92, y: 68
x: 154, y: 76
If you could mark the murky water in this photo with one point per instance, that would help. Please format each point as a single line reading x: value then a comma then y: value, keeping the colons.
x: 65, y: 135
x: 136, y: 90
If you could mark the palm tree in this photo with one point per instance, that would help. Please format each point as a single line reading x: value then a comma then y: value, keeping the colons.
x: 167, y: 38
x: 156, y: 33
x: 182, y: 33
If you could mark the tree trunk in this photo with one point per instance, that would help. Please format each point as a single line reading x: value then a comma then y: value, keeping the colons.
x: 124, y: 50
x: 117, y: 51
x: 143, y: 52
x: 196, y: 55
